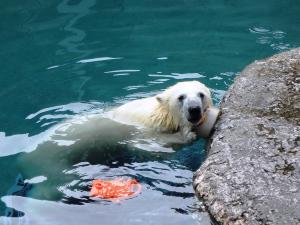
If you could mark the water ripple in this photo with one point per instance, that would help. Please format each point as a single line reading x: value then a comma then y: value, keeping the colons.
x: 99, y: 59
x: 273, y: 38
x: 179, y: 76
x: 157, y: 176
x: 74, y: 108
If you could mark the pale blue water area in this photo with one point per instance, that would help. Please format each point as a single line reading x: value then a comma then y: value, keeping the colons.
x: 61, y: 59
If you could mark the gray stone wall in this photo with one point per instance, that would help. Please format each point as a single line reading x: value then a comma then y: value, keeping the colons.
x: 252, y: 172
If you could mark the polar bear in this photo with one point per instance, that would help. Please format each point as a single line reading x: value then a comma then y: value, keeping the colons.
x: 185, y: 107
x: 177, y: 116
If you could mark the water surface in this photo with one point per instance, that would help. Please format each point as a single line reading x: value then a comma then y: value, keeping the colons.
x: 61, y: 59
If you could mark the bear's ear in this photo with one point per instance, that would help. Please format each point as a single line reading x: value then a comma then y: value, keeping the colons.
x: 160, y: 98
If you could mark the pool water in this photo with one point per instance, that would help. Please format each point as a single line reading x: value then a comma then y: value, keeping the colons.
x: 61, y: 59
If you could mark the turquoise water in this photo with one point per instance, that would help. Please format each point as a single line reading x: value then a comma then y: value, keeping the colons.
x: 60, y: 59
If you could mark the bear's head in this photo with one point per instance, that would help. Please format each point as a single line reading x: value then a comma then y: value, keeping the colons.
x: 186, y: 101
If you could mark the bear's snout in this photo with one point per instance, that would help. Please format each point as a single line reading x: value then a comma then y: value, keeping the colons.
x: 194, y: 114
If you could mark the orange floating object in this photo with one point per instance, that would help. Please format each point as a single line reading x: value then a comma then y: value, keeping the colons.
x: 116, y: 189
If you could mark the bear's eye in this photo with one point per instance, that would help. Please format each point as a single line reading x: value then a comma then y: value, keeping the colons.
x: 181, y: 97
x: 201, y: 95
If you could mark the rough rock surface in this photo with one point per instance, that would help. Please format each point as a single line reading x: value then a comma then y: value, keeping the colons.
x: 252, y: 172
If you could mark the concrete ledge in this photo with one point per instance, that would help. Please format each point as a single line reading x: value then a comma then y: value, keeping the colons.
x: 252, y: 172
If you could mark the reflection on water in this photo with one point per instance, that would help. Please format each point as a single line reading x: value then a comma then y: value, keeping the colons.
x: 135, y: 211
x: 66, y: 60
x: 72, y: 42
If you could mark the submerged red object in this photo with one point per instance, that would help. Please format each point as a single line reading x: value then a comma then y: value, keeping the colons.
x: 116, y: 189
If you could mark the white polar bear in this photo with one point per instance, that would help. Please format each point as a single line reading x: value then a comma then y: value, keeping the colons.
x: 180, y: 114
x: 185, y: 107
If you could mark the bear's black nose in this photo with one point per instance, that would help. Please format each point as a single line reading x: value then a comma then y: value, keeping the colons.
x: 195, y: 114
x: 194, y: 110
